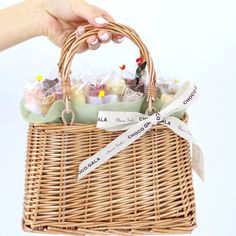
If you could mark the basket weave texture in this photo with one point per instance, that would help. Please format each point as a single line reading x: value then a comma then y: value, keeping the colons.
x: 146, y: 188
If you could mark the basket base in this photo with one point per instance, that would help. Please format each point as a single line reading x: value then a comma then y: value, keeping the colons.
x: 116, y: 231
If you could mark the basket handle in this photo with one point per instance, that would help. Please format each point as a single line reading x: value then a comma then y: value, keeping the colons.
x: 73, y: 42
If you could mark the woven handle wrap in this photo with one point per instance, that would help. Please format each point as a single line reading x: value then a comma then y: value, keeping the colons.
x: 73, y: 43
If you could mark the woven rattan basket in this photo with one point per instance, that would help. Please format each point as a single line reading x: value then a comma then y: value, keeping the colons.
x: 146, y: 188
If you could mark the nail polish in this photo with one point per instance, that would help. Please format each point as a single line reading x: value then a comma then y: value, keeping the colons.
x: 94, y: 42
x: 104, y: 37
x: 80, y: 30
x: 120, y: 40
x: 100, y: 20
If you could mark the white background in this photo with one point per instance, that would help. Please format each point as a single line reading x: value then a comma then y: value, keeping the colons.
x: 192, y: 40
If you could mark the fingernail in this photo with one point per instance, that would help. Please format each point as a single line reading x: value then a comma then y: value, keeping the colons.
x: 119, y: 40
x: 104, y: 37
x: 94, y: 42
x: 80, y: 30
x: 100, y: 20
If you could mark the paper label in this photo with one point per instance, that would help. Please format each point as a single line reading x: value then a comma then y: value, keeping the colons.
x: 198, y: 161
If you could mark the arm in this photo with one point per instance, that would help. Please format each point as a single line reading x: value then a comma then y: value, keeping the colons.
x: 18, y: 23
x: 54, y: 19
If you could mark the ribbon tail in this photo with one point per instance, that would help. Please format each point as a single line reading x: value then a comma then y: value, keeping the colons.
x: 198, y: 161
x: 117, y: 121
x: 185, y: 96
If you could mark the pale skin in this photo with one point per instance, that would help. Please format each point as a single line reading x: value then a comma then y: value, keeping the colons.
x: 55, y: 19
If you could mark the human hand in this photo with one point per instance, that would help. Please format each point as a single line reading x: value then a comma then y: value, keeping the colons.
x: 59, y: 18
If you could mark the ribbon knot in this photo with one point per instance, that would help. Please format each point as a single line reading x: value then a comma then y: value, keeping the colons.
x: 157, y: 118
x: 137, y: 124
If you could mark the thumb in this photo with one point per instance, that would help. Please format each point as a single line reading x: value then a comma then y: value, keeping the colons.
x: 94, y: 15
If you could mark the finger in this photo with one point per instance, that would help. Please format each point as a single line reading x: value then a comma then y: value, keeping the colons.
x: 59, y: 36
x: 117, y: 38
x: 82, y: 48
x: 104, y: 36
x: 80, y: 30
x: 103, y: 19
x: 93, y: 42
x: 104, y: 13
x: 94, y: 15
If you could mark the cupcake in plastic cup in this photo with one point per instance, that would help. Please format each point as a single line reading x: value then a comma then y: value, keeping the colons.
x: 46, y: 103
x: 95, y: 100
x: 109, y: 98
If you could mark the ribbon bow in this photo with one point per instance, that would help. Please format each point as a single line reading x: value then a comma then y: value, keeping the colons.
x: 138, y: 124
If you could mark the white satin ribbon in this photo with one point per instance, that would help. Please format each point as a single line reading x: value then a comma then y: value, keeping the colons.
x: 138, y: 124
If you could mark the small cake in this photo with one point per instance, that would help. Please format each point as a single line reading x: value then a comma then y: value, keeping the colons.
x: 116, y: 86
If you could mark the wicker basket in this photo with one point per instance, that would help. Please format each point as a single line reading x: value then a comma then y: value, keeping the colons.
x: 146, y: 188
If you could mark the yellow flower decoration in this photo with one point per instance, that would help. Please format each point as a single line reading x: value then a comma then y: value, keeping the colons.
x: 101, y: 93
x: 176, y: 80
x: 39, y: 78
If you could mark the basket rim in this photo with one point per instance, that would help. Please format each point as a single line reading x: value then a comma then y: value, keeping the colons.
x: 86, y: 127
